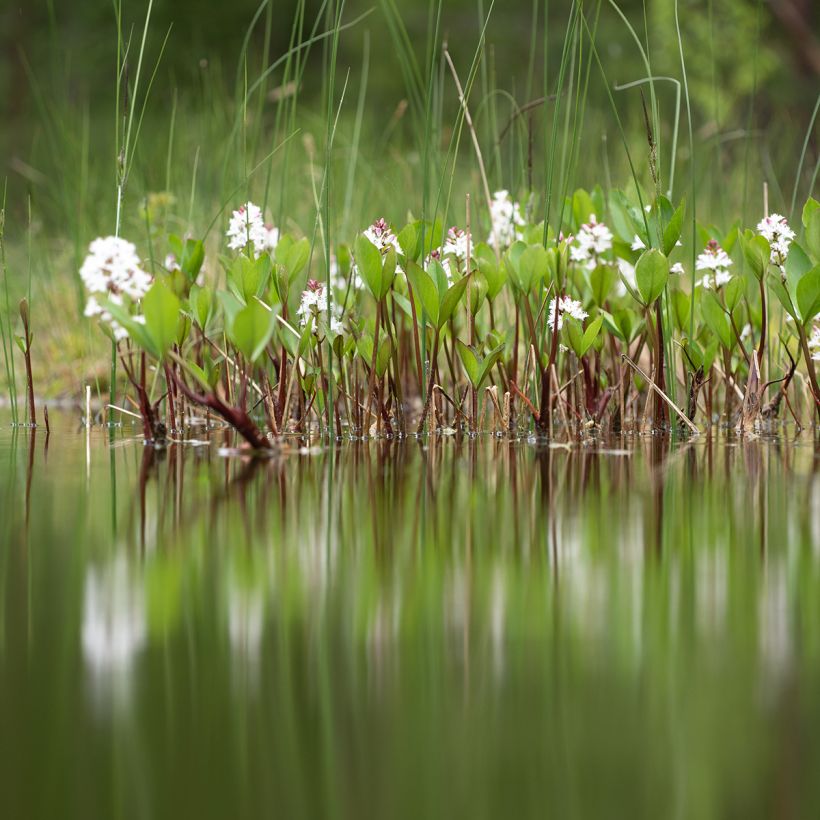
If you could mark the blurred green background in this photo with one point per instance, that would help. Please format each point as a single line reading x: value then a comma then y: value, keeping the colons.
x: 753, y: 66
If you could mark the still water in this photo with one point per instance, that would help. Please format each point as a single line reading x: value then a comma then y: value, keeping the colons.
x: 451, y: 629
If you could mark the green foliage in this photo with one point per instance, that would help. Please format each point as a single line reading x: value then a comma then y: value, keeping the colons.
x: 438, y: 300
x: 756, y: 252
x: 811, y: 223
x: 478, y: 367
x: 652, y: 274
x: 376, y: 270
x: 581, y: 340
x: 252, y: 329
x: 716, y: 319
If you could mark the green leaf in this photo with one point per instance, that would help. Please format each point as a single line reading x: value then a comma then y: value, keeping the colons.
x: 812, y: 235
x: 201, y: 302
x: 811, y: 206
x: 183, y: 328
x: 671, y: 233
x: 161, y: 310
x: 369, y: 261
x: 388, y: 272
x: 297, y: 257
x: 410, y: 241
x: 716, y: 318
x: 230, y: 305
x: 495, y: 274
x: 797, y: 265
x: 756, y: 252
x: 425, y: 290
x: 478, y: 290
x: 682, y: 307
x: 450, y: 301
x: 582, y: 207
x: 591, y: 334
x: 779, y: 289
x: 532, y: 267
x: 193, y: 256
x: 602, y: 279
x: 733, y: 291
x: 469, y: 359
x: 247, y: 277
x: 808, y: 294
x: 575, y: 335
x: 489, y: 362
x: 652, y: 273
x: 252, y: 329
x: 383, y: 357
x: 626, y: 219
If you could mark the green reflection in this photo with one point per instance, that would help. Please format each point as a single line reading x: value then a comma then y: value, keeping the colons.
x: 454, y: 628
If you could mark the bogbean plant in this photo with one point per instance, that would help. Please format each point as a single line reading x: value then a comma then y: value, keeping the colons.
x: 570, y: 328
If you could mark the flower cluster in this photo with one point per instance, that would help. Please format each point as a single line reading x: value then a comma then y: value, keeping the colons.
x: 714, y: 259
x: 382, y: 237
x: 507, y: 220
x: 314, y: 304
x: 776, y: 230
x: 113, y: 270
x: 247, y: 226
x: 564, y: 305
x: 592, y: 241
x: 456, y: 243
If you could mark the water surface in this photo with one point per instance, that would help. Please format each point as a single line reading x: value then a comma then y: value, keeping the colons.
x: 447, y: 629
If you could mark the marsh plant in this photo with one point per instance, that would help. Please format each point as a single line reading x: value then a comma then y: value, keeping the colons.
x: 597, y: 323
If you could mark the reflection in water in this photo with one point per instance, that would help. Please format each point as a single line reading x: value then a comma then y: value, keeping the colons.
x: 246, y: 613
x: 114, y: 626
x: 415, y: 629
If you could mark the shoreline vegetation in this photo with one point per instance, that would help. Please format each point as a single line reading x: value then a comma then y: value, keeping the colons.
x: 421, y: 330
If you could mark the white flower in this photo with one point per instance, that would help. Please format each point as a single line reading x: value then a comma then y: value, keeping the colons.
x: 779, y: 235
x: 246, y: 227
x: 456, y: 244
x: 314, y: 303
x: 676, y: 268
x: 714, y: 259
x: 721, y: 278
x: 565, y: 305
x: 112, y: 270
x: 746, y: 332
x: 507, y: 220
x: 638, y: 244
x: 593, y: 239
x: 382, y: 237
x: 171, y: 263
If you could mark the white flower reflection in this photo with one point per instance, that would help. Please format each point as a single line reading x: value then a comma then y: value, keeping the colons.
x: 114, y: 628
x: 246, y: 618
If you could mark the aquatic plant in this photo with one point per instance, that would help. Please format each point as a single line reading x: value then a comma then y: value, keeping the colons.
x: 579, y: 330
